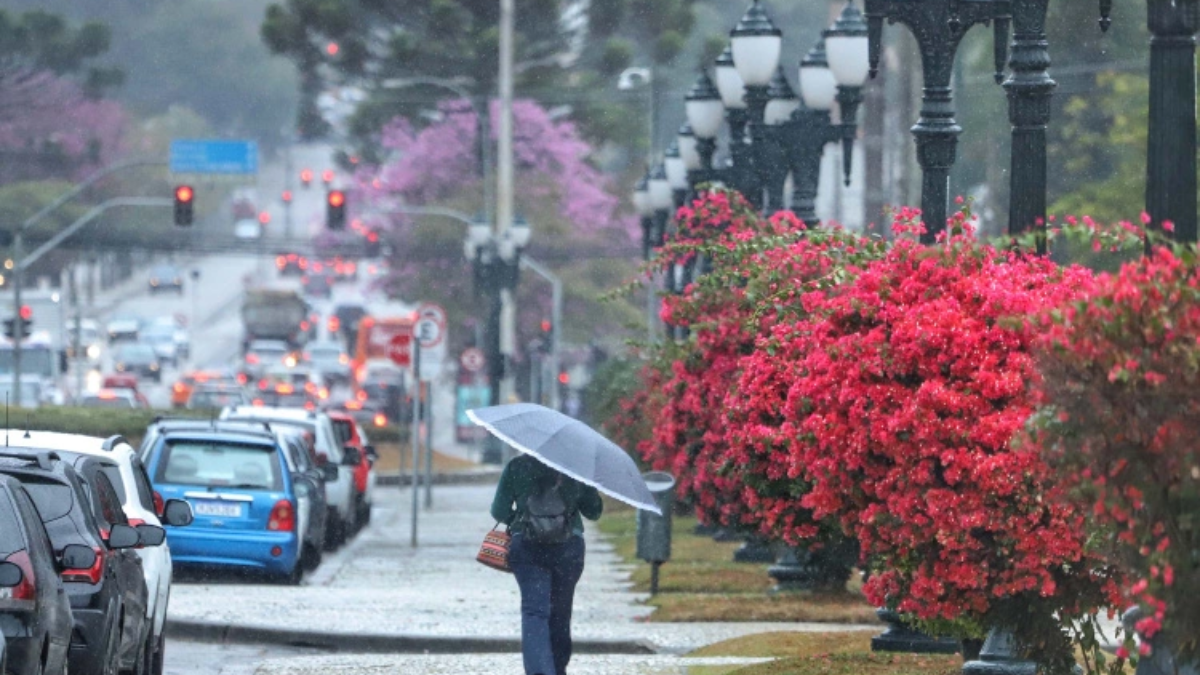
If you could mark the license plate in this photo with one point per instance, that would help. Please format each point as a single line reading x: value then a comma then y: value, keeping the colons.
x: 216, y: 509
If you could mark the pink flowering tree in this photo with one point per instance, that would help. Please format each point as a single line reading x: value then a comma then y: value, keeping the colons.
x: 567, y: 200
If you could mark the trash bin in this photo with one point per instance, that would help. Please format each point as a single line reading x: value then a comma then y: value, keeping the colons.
x: 654, y: 531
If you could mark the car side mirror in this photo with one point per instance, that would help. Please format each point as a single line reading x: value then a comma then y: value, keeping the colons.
x: 123, y: 536
x: 151, y: 535
x: 80, y: 557
x: 300, y: 486
x: 177, y: 513
x: 10, y: 574
x: 371, y: 453
x: 329, y: 472
x: 352, y: 456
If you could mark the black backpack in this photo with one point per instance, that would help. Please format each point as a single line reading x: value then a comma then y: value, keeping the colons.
x: 546, y: 516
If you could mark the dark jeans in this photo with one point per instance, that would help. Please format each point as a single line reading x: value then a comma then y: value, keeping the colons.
x: 547, y: 574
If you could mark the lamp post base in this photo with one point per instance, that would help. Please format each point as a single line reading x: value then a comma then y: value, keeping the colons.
x: 800, y: 569
x: 754, y: 550
x: 999, y: 657
x: 900, y: 637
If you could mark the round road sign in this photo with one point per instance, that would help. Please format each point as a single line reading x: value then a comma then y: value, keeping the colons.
x: 433, y: 312
x: 429, y: 332
x: 400, y: 350
x: 472, y: 360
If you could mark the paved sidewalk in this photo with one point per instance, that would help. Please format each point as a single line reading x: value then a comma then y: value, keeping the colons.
x: 437, y: 594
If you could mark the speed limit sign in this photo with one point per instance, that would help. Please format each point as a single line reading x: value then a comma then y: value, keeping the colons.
x: 429, y: 332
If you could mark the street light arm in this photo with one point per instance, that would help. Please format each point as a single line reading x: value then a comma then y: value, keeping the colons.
x: 83, y: 220
x: 88, y: 182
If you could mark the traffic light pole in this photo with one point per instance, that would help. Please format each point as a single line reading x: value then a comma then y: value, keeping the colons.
x: 556, y: 301
x: 20, y: 262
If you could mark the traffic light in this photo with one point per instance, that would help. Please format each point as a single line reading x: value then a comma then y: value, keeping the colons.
x: 373, y: 248
x: 327, y: 176
x: 287, y: 196
x: 306, y: 177
x: 335, y: 210
x: 547, y: 335
x: 185, y: 199
x: 26, y: 314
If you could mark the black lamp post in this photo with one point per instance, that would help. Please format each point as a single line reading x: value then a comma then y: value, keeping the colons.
x: 1029, y: 90
x: 676, y: 171
x: 705, y: 114
x: 738, y: 173
x: 938, y: 26
x: 1171, y: 147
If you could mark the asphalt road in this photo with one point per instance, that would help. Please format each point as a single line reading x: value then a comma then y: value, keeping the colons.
x: 198, y: 658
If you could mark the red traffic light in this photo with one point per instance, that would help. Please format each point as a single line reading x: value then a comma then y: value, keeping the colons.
x: 337, y: 198
x: 306, y: 176
x: 287, y: 196
x: 564, y: 377
x: 26, y: 312
x: 546, y: 325
x: 184, y: 193
x: 327, y: 176
x: 264, y: 218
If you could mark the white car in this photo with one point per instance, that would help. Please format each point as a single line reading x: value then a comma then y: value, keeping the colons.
x: 141, y: 506
x: 247, y: 228
x: 339, y: 494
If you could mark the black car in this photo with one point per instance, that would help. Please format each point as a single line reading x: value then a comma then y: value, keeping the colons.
x: 308, y: 479
x: 139, y: 359
x: 98, y: 594
x: 317, y: 285
x: 166, y: 278
x: 35, y: 613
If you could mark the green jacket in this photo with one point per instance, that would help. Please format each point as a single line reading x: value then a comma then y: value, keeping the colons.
x: 520, y: 479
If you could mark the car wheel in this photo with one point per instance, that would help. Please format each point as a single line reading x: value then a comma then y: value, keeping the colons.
x: 334, y: 535
x: 159, y: 659
x: 112, y: 651
x: 312, y: 557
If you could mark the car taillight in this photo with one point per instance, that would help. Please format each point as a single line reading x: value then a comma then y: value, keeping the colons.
x: 283, y: 517
x: 252, y: 359
x: 334, y: 324
x: 280, y: 261
x: 92, y: 574
x: 242, y: 378
x: 178, y: 388
x: 380, y: 420
x: 159, y: 504
x: 26, y: 591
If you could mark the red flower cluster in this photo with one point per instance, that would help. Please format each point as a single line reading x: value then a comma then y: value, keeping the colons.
x: 1122, y: 368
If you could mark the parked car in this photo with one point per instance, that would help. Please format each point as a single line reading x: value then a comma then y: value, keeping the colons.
x: 127, y: 383
x: 242, y: 495
x: 118, y: 461
x: 35, y: 613
x: 166, y: 277
x: 310, y: 478
x: 109, y: 589
x: 351, y: 434
x: 138, y: 358
x: 339, y: 493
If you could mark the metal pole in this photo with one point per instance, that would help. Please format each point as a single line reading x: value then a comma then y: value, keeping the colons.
x: 1029, y: 91
x: 80, y: 356
x: 416, y: 436
x: 555, y: 318
x: 504, y: 202
x: 287, y: 187
x: 18, y: 241
x: 429, y: 444
x: 1171, y: 144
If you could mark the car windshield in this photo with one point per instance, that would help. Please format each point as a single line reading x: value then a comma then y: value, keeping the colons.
x: 11, y: 538
x: 217, y: 464
x: 325, y: 353
x: 217, y: 398
x: 165, y: 272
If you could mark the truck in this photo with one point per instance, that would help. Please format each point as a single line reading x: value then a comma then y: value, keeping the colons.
x: 275, y: 314
x: 376, y: 379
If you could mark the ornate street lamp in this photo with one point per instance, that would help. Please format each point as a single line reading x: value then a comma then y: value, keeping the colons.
x: 755, y: 44
x: 1029, y: 90
x: 662, y: 199
x: 705, y: 113
x: 677, y: 173
x: 732, y: 88
x: 938, y: 26
x: 773, y: 153
x: 641, y: 204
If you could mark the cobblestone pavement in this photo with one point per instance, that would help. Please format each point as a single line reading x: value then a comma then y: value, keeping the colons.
x: 380, y: 585
x: 483, y: 664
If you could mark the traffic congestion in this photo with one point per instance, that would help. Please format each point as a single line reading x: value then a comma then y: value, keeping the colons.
x: 258, y: 464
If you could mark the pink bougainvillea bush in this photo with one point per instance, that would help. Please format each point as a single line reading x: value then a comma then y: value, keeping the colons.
x: 1122, y: 372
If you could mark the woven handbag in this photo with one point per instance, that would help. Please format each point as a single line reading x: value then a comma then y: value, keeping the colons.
x: 494, y: 551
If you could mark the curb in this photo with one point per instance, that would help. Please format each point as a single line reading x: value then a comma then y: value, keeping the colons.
x: 477, y: 477
x: 203, y: 631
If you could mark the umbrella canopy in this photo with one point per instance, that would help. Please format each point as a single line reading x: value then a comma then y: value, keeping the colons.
x: 570, y: 446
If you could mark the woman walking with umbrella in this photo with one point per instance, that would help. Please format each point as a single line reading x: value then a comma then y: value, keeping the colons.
x: 543, y: 496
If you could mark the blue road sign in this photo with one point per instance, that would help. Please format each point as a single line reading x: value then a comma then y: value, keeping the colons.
x: 214, y: 156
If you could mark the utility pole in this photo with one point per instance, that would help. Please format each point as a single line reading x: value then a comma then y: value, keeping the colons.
x: 504, y: 190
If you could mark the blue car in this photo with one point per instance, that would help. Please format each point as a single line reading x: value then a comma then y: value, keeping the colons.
x: 242, y: 495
